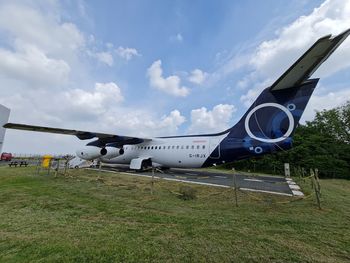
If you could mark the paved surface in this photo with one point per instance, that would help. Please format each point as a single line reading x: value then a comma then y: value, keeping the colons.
x: 269, y: 184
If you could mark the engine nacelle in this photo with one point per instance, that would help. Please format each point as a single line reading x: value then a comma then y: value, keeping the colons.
x: 89, y: 152
x: 111, y: 152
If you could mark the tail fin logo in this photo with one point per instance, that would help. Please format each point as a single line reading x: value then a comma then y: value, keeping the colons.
x: 279, y: 106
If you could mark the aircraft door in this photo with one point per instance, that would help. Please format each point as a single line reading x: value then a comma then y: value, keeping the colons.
x: 214, y: 148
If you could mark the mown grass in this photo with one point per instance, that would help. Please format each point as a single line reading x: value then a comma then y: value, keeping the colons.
x: 91, y: 217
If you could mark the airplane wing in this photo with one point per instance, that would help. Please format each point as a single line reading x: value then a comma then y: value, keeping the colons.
x: 307, y: 64
x: 82, y: 135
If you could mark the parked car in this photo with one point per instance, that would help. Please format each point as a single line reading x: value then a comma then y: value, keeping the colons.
x: 6, y: 157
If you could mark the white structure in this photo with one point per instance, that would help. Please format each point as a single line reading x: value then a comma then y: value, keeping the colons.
x: 4, y: 117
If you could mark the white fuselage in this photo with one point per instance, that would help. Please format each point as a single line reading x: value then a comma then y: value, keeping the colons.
x: 181, y: 152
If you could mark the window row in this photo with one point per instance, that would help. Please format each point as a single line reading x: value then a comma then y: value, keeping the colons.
x: 173, y: 147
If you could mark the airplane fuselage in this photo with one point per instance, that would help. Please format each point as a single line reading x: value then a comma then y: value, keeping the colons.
x: 179, y: 152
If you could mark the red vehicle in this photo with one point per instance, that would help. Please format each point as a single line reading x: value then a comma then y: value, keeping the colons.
x: 6, y: 157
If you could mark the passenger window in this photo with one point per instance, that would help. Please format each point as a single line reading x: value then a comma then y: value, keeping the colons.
x: 152, y: 147
x: 192, y: 146
x: 164, y: 147
x: 149, y: 147
x: 173, y: 147
x: 155, y: 147
x: 197, y: 146
x: 187, y: 147
x: 203, y: 146
x: 177, y: 147
x: 169, y: 147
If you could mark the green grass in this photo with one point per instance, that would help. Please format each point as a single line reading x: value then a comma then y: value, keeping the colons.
x: 116, y: 219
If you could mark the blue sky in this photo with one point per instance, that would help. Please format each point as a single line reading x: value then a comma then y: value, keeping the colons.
x: 153, y: 68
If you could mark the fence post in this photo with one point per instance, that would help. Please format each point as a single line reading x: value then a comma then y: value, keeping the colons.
x: 317, y: 181
x: 317, y: 193
x: 235, y: 185
x: 48, y: 171
x: 303, y: 173
x: 65, y: 166
x: 57, y: 167
x: 152, y: 182
x: 312, y: 175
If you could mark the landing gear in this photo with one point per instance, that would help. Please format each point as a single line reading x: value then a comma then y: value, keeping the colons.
x: 146, y: 164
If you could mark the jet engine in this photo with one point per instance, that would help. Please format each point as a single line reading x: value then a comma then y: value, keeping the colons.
x: 90, y: 152
x: 111, y: 152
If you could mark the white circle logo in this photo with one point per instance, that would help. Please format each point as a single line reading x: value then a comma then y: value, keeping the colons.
x: 258, y: 150
x: 284, y: 136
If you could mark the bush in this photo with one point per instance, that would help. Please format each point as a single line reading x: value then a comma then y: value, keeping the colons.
x: 187, y: 193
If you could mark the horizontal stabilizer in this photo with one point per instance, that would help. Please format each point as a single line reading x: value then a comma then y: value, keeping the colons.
x: 307, y: 64
x: 82, y: 135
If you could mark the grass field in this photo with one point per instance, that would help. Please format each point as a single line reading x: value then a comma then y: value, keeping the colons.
x: 81, y: 218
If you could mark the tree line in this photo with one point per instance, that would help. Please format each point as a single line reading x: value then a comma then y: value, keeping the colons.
x: 323, y: 143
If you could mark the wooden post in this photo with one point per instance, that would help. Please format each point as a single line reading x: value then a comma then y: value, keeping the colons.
x: 57, y: 167
x: 235, y: 186
x: 49, y: 168
x: 38, y: 166
x: 152, y: 182
x: 317, y: 192
x: 312, y: 176
x: 65, y: 166
x: 317, y: 181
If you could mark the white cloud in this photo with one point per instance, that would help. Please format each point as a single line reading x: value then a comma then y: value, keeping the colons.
x: 332, y: 17
x: 30, y: 64
x: 216, y: 120
x: 39, y: 49
x: 26, y: 24
x: 141, y: 122
x: 127, y: 53
x: 104, y: 96
x: 273, y: 57
x: 104, y: 57
x: 172, y: 121
x: 170, y: 85
x: 319, y: 102
x: 197, y: 76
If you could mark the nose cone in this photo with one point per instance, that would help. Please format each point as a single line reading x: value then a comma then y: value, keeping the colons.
x: 89, y: 152
x: 80, y: 154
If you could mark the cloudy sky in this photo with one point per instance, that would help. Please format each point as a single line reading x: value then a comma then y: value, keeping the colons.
x: 148, y: 68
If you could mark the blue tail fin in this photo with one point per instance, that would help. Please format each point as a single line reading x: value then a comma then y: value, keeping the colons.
x: 267, y: 126
x: 274, y: 115
x: 270, y: 122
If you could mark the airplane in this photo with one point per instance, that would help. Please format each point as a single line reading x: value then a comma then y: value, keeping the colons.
x: 268, y: 125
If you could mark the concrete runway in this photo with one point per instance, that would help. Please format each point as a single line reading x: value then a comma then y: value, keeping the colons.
x: 267, y: 184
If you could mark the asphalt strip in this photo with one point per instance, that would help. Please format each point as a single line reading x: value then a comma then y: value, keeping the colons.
x: 192, y: 182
